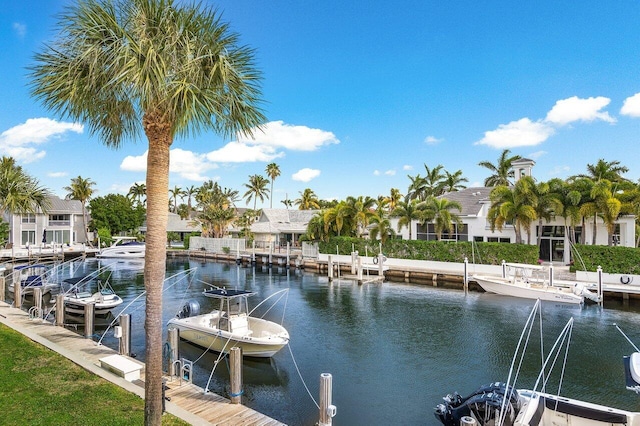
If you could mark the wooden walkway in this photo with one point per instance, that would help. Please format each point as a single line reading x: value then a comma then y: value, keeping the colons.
x: 187, y: 400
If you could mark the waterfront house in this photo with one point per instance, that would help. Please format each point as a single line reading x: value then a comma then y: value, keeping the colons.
x: 554, y: 241
x: 279, y: 227
x: 61, y: 224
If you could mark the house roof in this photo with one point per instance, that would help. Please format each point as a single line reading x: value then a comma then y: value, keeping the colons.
x: 176, y: 224
x: 58, y: 205
x: 471, y: 199
x: 278, y: 221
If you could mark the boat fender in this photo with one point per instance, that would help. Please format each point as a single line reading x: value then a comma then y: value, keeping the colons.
x: 191, y: 308
x: 375, y: 259
x: 626, y: 279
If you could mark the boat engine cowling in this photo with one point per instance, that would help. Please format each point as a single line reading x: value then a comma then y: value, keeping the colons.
x: 483, y: 405
x: 190, y: 309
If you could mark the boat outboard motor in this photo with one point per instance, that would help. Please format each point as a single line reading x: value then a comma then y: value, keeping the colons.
x: 484, y: 405
x: 190, y: 309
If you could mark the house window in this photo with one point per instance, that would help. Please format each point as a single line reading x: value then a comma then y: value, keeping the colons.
x: 59, y: 220
x: 59, y: 236
x: 498, y: 240
x: 28, y: 218
x: 428, y: 232
x: 28, y: 237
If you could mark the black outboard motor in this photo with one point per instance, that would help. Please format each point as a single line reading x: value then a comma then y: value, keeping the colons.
x: 483, y: 405
x: 190, y: 309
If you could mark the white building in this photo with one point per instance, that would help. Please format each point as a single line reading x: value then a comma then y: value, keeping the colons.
x: 554, y: 241
x: 61, y: 224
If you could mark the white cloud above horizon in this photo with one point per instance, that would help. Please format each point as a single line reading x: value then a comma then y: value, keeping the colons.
x: 20, y: 141
x: 526, y: 132
x: 407, y: 167
x: 305, y: 175
x: 57, y: 174
x: 432, y: 140
x: 523, y: 132
x: 20, y: 29
x: 631, y: 106
x: 573, y: 109
x: 264, y: 147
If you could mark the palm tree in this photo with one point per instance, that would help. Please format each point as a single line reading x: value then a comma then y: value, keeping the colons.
x: 393, y: 199
x: 453, y: 182
x: 381, y: 229
x: 609, y: 170
x: 502, y: 171
x: 513, y: 204
x: 547, y: 204
x: 273, y: 171
x: 175, y: 193
x: 338, y: 218
x: 442, y: 216
x: 569, y: 199
x: 190, y: 192
x: 434, y: 181
x: 407, y: 211
x: 607, y: 207
x: 81, y: 189
x: 362, y: 211
x: 256, y: 188
x: 417, y: 187
x: 19, y: 192
x: 164, y: 67
x: 138, y: 192
x: 308, y: 200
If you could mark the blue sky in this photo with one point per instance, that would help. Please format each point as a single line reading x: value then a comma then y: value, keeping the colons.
x: 360, y: 94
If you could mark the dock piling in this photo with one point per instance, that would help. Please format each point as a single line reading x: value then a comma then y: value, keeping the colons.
x: 235, y: 361
x: 60, y: 310
x: 327, y: 410
x: 173, y: 337
x: 125, y: 338
x: 89, y: 310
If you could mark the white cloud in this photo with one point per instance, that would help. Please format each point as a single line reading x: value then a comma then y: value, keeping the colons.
x: 305, y: 175
x: 432, y: 140
x: 390, y: 173
x: 537, y: 154
x: 631, y: 106
x: 239, y: 152
x: 572, y: 109
x: 18, y: 141
x: 519, y: 133
x: 407, y: 167
x: 376, y: 172
x: 187, y: 164
x: 20, y: 29
x: 57, y: 174
x: 559, y: 171
x: 277, y: 134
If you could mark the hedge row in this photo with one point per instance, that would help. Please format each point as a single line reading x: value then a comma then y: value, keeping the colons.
x: 480, y: 253
x: 614, y: 260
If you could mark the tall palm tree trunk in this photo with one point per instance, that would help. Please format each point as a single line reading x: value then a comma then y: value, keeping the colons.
x: 155, y: 263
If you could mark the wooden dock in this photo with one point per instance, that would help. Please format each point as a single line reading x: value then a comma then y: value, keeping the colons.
x: 187, y: 400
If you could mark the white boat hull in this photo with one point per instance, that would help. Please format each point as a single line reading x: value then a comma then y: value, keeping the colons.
x: 506, y: 287
x: 263, y: 339
x: 102, y: 304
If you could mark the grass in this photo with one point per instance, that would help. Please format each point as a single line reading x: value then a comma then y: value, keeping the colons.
x: 41, y: 387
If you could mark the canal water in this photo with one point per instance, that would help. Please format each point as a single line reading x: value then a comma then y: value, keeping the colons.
x: 393, y: 349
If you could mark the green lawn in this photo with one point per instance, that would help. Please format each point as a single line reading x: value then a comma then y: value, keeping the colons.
x: 40, y: 387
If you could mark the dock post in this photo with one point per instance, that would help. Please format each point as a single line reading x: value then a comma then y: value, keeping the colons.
x: 327, y: 410
x: 550, y: 275
x: 288, y: 254
x: 60, y: 310
x: 330, y: 268
x: 270, y: 254
x: 37, y: 301
x: 253, y: 254
x: 600, y: 291
x: 235, y: 358
x: 238, y: 258
x: 468, y: 421
x: 359, y: 270
x: 354, y: 257
x: 17, y: 290
x: 2, y: 288
x: 173, y: 336
x: 504, y: 269
x: 465, y: 278
x: 89, y: 309
x: 380, y: 262
x: 125, y: 339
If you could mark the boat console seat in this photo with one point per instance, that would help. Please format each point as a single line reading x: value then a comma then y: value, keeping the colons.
x: 240, y: 326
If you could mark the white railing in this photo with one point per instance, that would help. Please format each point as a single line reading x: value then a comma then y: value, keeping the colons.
x: 217, y: 245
